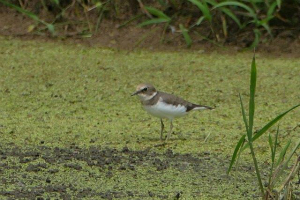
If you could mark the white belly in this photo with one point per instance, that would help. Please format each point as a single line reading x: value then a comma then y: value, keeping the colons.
x: 163, y: 110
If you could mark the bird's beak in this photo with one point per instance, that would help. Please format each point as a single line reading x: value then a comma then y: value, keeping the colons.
x: 135, y: 93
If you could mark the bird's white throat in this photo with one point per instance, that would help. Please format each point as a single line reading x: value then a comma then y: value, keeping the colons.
x: 144, y: 97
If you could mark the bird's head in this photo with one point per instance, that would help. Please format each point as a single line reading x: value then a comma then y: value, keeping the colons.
x: 145, y: 91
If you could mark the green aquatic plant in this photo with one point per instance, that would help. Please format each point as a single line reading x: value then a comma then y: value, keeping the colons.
x: 160, y: 17
x: 242, y: 144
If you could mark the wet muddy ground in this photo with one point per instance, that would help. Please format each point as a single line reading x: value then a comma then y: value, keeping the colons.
x: 36, y: 173
x: 33, y: 173
x: 69, y: 128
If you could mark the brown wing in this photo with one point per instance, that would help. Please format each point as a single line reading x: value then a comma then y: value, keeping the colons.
x: 172, y: 99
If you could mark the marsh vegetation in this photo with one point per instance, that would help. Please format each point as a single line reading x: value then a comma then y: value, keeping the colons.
x: 70, y: 129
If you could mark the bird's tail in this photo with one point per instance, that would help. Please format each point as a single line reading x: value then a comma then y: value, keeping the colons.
x: 200, y: 107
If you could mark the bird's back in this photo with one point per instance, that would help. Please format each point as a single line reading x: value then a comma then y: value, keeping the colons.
x: 176, y: 101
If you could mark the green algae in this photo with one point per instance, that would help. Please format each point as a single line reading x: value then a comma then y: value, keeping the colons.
x: 158, y: 176
x: 60, y: 95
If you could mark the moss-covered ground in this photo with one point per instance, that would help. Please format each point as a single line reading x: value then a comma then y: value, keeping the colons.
x: 70, y: 129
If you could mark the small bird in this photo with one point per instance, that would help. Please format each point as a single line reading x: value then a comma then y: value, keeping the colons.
x: 163, y: 105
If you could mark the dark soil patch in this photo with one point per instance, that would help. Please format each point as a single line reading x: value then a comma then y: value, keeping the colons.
x: 104, y: 158
x: 49, y: 161
x: 42, y: 162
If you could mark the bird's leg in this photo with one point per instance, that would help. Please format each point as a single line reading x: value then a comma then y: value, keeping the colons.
x: 162, y: 129
x: 170, y: 131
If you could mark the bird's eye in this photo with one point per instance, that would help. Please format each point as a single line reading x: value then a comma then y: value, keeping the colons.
x: 145, y: 89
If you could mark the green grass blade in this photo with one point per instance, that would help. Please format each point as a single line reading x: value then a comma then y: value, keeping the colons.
x: 276, y: 143
x: 271, y: 10
x: 271, y: 147
x: 272, y: 122
x: 267, y: 27
x: 252, y: 98
x: 153, y: 21
x: 227, y: 11
x: 269, y: 125
x: 244, y: 114
x: 157, y: 13
x: 238, y: 4
x: 279, y: 3
x: 200, y: 20
x: 21, y: 10
x: 232, y: 16
x: 251, y: 119
x: 283, y: 152
x: 293, y: 151
x: 203, y: 8
x: 257, y: 34
x: 236, y: 150
x: 211, y: 2
x: 56, y: 2
x: 186, y: 35
x: 273, y: 154
x: 253, y: 1
x: 50, y: 27
x: 285, y: 164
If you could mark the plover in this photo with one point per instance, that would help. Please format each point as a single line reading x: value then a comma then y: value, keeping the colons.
x: 163, y: 105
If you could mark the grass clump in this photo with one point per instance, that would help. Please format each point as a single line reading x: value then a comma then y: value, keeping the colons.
x: 277, y: 169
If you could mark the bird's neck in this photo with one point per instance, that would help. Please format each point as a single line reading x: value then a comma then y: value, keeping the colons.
x: 147, y: 97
